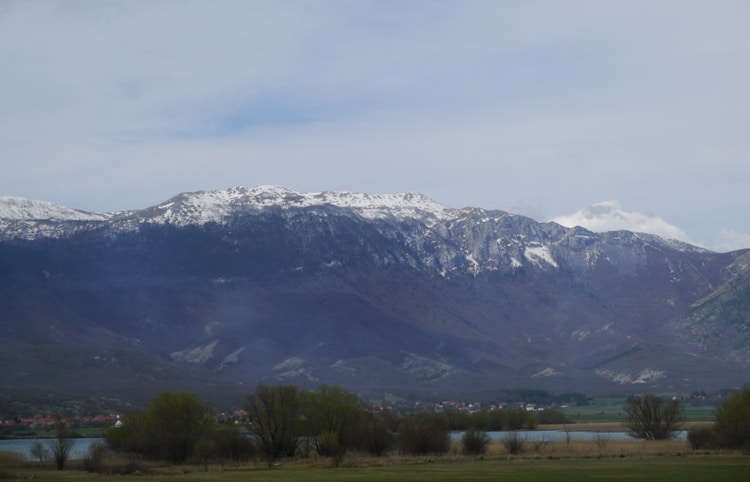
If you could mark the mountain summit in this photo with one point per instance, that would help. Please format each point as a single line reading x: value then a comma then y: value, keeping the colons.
x: 379, y: 293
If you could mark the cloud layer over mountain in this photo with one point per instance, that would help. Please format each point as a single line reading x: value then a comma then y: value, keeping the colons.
x: 609, y: 216
x: 553, y: 105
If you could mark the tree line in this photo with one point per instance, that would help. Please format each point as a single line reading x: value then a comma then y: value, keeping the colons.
x: 285, y: 421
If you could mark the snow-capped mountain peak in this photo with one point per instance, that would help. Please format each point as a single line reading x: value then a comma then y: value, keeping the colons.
x: 215, y: 206
x: 22, y: 209
x: 403, y: 205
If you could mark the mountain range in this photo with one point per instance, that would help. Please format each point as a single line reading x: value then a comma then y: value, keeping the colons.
x: 214, y: 292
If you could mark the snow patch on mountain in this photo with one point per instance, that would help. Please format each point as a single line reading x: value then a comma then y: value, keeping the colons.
x: 292, y: 368
x: 547, y: 372
x: 22, y: 209
x: 198, y: 355
x: 450, y: 241
x: 647, y: 375
x: 232, y: 358
x: 425, y: 368
x: 378, y: 206
x: 539, y: 254
x: 215, y: 206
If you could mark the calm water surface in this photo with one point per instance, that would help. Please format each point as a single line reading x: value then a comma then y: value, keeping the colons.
x: 81, y: 445
x: 23, y: 446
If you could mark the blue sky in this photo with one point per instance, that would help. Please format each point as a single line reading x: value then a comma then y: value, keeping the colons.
x: 607, y: 114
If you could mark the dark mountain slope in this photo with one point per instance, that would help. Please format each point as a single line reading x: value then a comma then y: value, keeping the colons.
x: 379, y: 294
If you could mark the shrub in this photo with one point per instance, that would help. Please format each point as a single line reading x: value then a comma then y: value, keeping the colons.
x: 168, y: 430
x: 232, y: 444
x: 518, y: 418
x: 94, y: 460
x: 551, y: 416
x: 423, y: 433
x: 102, y: 460
x: 328, y: 445
x: 376, y: 437
x: 39, y: 451
x: 701, y: 438
x: 334, y: 417
x: 651, y: 418
x: 475, y: 442
x: 602, y: 440
x: 274, y: 413
x: 61, y: 447
x: 733, y: 421
x: 514, y: 444
x: 204, y: 450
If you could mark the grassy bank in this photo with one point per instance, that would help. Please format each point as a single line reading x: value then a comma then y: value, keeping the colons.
x: 708, y: 468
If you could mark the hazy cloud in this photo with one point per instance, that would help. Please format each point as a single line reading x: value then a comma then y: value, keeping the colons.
x: 609, y: 216
x: 729, y: 240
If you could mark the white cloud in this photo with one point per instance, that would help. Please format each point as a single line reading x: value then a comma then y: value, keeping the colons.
x: 609, y: 216
x: 729, y: 240
x: 537, y: 104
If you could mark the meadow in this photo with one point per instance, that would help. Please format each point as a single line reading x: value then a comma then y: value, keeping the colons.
x: 601, y: 460
x: 610, y: 409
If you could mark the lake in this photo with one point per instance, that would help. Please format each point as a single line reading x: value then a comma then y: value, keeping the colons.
x: 81, y: 445
x: 23, y: 446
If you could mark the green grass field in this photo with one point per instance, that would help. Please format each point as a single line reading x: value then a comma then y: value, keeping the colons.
x: 683, y: 468
x: 609, y: 409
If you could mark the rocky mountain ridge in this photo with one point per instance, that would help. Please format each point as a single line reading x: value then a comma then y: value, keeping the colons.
x: 375, y: 292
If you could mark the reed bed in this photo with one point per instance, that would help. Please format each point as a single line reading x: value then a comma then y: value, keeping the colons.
x: 602, y: 447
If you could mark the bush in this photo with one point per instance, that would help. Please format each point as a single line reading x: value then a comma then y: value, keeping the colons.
x: 551, y: 416
x: 602, y: 440
x: 475, y: 442
x: 39, y: 451
x: 205, y: 449
x: 328, y: 445
x: 376, y: 437
x: 514, y: 444
x: 732, y: 423
x: 518, y: 418
x: 94, y: 460
x: 168, y: 430
x: 423, y: 433
x: 101, y: 460
x: 61, y: 447
x: 232, y: 444
x: 702, y: 438
x: 651, y: 418
x: 274, y: 413
x: 333, y: 417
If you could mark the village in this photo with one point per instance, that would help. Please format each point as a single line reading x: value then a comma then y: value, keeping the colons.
x: 46, y: 422
x: 41, y: 423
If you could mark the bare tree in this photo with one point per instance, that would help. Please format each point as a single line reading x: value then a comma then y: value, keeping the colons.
x: 652, y: 418
x: 274, y: 413
x: 61, y: 447
x: 38, y: 451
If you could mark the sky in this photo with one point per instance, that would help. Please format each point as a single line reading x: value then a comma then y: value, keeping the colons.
x: 606, y: 114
